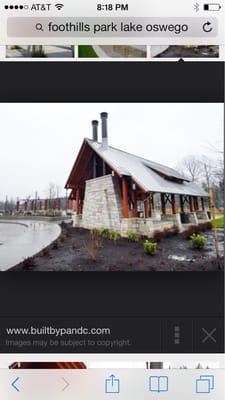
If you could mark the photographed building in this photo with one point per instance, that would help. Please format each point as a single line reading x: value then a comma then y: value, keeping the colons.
x: 42, y: 207
x: 121, y: 191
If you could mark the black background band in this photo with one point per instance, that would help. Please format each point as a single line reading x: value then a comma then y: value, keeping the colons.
x: 111, y: 82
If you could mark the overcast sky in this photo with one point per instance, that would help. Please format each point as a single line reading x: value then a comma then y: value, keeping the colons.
x: 39, y: 142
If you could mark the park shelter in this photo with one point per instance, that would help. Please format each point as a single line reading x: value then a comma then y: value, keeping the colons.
x: 118, y: 190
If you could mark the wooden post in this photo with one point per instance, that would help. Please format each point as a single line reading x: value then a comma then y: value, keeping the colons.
x: 153, y: 203
x: 196, y: 203
x: 70, y: 204
x: 163, y: 205
x: 125, y: 198
x: 134, y: 202
x: 78, y: 200
x: 46, y: 204
x: 173, y: 203
x: 181, y: 203
x: 147, y: 207
x: 191, y: 203
x: 203, y: 203
x: 58, y: 204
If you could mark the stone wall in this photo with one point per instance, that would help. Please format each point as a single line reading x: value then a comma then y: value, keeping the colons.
x: 143, y: 226
x: 193, y: 218
x: 202, y: 215
x: 174, y: 218
x: 102, y: 204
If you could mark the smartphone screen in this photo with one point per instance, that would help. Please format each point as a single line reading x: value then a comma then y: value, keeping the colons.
x: 112, y: 200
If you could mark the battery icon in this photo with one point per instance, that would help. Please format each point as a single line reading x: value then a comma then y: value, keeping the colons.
x: 212, y: 7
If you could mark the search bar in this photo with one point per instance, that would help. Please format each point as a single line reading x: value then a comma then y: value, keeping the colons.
x: 99, y: 27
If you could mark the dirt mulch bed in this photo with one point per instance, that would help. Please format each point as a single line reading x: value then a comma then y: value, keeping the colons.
x: 69, y: 253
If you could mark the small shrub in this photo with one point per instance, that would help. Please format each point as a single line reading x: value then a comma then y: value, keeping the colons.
x: 95, y: 233
x: 108, y: 234
x: 91, y: 251
x: 198, y: 241
x: 133, y: 236
x: 38, y: 53
x: 150, y: 247
x: 115, y: 236
x: 105, y: 233
x: 93, y: 247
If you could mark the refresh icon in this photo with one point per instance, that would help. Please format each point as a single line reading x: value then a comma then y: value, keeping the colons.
x: 207, y: 27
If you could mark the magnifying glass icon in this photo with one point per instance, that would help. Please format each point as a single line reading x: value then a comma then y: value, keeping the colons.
x: 39, y: 27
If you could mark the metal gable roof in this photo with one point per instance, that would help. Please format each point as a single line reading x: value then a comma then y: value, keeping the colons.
x: 144, y: 172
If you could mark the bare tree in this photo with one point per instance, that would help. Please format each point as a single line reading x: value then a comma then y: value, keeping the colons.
x: 51, y: 194
x: 51, y: 191
x: 208, y: 171
x: 191, y: 166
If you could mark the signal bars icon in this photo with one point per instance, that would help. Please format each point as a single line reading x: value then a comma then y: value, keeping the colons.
x: 59, y: 6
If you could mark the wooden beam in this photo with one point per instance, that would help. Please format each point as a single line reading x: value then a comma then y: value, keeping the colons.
x: 196, y: 203
x: 152, y: 201
x: 125, y: 198
x: 203, y: 203
x: 163, y: 204
x: 146, y: 207
x: 191, y: 203
x: 150, y: 207
x: 134, y: 202
x: 173, y: 203
x: 78, y: 200
x: 181, y: 203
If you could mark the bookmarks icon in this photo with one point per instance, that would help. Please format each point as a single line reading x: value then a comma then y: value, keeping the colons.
x: 158, y: 384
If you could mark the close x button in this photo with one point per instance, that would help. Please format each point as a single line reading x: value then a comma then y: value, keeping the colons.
x: 209, y: 335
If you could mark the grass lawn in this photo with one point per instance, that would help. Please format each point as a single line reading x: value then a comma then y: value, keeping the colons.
x: 86, y: 52
x: 220, y: 222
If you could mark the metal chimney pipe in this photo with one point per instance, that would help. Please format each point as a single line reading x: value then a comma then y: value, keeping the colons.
x: 104, y: 117
x: 95, y: 130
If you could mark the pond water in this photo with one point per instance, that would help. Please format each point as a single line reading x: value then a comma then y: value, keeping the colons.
x: 10, y: 231
x: 19, y: 240
x: 210, y: 246
x: 209, y: 250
